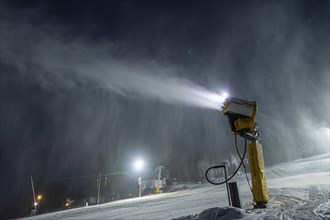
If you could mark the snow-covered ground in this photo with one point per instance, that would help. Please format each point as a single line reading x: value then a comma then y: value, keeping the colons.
x: 297, y: 190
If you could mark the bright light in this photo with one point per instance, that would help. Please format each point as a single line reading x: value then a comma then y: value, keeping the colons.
x: 214, y: 97
x: 225, y: 95
x: 35, y: 204
x: 218, y: 99
x: 139, y: 164
x: 39, y: 197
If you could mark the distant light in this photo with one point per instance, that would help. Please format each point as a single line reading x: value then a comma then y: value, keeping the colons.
x: 35, y: 204
x: 39, y: 197
x: 139, y: 164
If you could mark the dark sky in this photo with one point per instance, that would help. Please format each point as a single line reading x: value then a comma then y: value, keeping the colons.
x: 88, y: 86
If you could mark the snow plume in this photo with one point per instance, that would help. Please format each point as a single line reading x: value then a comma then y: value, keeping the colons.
x: 272, y: 54
x: 98, y: 98
x: 47, y: 56
x: 86, y: 86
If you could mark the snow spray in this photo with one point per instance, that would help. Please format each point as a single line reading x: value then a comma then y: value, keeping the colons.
x: 141, y: 83
x: 130, y: 77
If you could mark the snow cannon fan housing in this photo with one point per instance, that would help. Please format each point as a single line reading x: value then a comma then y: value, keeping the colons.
x: 241, y: 115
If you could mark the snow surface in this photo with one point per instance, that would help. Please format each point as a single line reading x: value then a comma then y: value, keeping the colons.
x: 297, y: 190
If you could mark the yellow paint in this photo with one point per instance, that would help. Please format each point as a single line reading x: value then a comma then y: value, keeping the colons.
x: 243, y: 123
x: 257, y: 169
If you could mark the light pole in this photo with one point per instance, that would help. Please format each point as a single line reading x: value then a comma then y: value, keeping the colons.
x: 159, y: 177
x: 98, y: 190
x: 34, y: 196
x: 139, y: 166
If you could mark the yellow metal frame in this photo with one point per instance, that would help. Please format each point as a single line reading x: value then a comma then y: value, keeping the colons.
x: 243, y: 123
x: 257, y: 169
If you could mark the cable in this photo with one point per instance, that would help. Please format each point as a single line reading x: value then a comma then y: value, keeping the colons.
x: 242, y: 160
x: 241, y: 163
x: 218, y: 166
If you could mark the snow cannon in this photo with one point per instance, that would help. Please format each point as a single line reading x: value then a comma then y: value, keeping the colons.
x: 241, y: 115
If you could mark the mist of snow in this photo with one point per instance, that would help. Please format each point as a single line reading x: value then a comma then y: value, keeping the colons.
x: 120, y: 102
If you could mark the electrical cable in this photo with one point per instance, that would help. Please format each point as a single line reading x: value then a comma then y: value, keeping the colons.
x: 241, y: 163
x: 242, y: 160
x: 219, y: 166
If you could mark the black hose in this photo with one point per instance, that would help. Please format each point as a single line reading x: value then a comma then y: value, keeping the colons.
x: 242, y: 163
x: 219, y: 166
x: 242, y: 160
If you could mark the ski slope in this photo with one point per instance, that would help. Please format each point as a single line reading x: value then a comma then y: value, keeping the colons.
x: 297, y: 190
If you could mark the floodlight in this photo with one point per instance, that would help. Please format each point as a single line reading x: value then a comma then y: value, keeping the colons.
x: 139, y: 164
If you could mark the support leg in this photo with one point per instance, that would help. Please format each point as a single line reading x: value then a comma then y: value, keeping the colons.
x: 257, y: 169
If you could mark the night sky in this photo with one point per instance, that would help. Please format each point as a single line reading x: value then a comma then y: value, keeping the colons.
x: 89, y: 86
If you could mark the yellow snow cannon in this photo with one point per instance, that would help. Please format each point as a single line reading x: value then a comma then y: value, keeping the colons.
x: 241, y: 115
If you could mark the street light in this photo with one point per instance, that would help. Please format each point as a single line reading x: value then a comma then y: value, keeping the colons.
x: 39, y: 198
x: 139, y: 166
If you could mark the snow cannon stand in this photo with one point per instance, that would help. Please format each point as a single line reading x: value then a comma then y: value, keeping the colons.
x: 241, y: 115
